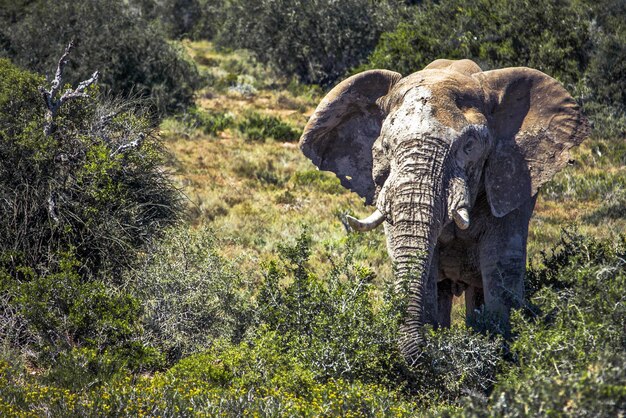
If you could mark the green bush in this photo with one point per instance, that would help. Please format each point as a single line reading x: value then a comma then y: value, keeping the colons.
x: 132, y: 55
x: 551, y: 36
x: 81, y: 203
x: 94, y: 185
x: 604, y: 96
x: 209, y: 122
x: 455, y: 363
x: 334, y: 325
x: 196, y: 19
x: 258, y: 127
x: 190, y: 295
x: 317, y: 42
x: 206, y: 385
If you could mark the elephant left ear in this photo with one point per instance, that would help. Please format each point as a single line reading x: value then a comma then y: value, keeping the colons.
x: 534, y: 122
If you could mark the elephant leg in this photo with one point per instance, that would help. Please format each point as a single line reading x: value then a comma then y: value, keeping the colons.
x: 444, y: 302
x: 474, y: 299
x: 502, y: 252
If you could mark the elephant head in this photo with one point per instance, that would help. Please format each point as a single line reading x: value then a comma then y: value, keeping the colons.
x: 439, y: 150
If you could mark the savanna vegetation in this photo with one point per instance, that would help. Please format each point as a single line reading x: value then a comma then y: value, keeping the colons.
x: 166, y: 250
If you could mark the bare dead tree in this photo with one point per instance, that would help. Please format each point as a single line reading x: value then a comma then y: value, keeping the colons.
x: 53, y: 105
x: 49, y: 96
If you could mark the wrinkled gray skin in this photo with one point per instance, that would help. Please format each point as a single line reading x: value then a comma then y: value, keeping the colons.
x: 452, y: 158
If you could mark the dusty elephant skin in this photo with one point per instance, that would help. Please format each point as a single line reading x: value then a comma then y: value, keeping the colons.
x: 452, y: 158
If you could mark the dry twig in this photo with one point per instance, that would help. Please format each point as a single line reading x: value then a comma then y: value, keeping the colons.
x: 49, y: 96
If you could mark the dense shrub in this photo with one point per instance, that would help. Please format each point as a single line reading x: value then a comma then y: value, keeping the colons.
x: 59, y: 311
x: 209, y: 122
x: 95, y: 185
x: 316, y: 41
x: 191, y: 296
x: 79, y: 204
x: 195, y: 19
x: 551, y: 36
x: 133, y: 57
x: 604, y: 97
x: 258, y: 127
x: 455, y: 363
x: 207, y: 385
x: 331, y: 324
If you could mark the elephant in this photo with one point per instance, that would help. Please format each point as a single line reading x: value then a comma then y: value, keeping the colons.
x: 451, y: 157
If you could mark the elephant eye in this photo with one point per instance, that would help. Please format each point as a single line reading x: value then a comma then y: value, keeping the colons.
x: 467, y: 148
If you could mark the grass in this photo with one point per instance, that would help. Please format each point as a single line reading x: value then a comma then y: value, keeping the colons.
x: 258, y: 194
x: 589, y: 195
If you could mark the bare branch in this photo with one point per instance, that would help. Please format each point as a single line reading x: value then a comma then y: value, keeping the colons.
x: 58, y: 77
x: 52, y: 208
x: 79, y: 91
x: 133, y: 144
x: 49, y: 96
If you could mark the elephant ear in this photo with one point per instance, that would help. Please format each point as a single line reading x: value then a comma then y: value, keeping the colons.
x: 534, y: 122
x: 340, y: 134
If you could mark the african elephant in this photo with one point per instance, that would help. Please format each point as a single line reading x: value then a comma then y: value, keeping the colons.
x: 452, y: 158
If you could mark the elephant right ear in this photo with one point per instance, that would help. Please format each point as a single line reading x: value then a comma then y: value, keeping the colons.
x: 340, y: 134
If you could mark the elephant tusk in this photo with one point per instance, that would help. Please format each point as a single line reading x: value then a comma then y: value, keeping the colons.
x: 367, y: 224
x: 461, y: 218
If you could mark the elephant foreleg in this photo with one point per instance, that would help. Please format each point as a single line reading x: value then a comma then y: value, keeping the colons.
x: 474, y: 299
x: 503, y: 265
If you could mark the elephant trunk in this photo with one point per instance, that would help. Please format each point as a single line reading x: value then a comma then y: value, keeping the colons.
x: 417, y: 210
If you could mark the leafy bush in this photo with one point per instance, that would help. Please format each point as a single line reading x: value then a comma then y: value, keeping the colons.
x: 58, y: 311
x: 210, y: 123
x: 190, y: 295
x: 314, y: 41
x: 82, y: 201
x: 206, y: 385
x: 133, y: 57
x: 604, y: 96
x: 95, y: 185
x: 334, y: 325
x: 258, y: 127
x: 195, y: 19
x: 455, y: 363
x: 550, y: 36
